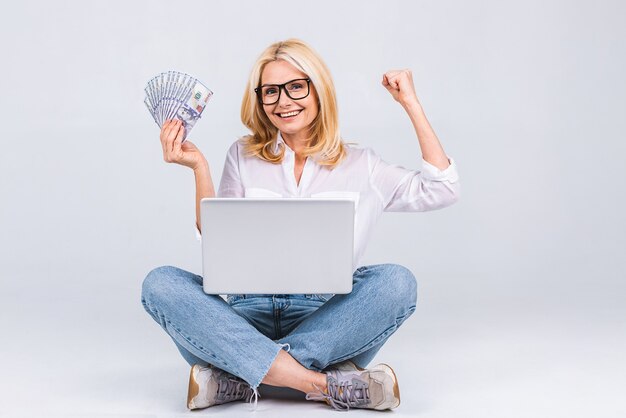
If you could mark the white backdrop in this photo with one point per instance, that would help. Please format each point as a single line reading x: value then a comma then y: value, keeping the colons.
x: 527, y: 97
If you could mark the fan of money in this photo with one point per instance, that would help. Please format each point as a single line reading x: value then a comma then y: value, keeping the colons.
x: 174, y: 95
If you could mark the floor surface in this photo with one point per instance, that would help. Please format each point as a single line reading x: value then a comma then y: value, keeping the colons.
x: 115, y: 362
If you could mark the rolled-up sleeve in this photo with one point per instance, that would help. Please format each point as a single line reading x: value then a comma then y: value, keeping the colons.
x: 230, y: 183
x: 403, y: 190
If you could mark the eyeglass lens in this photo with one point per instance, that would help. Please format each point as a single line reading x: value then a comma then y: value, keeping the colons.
x: 296, y: 89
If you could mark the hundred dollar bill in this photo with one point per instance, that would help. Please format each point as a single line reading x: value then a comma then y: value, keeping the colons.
x: 176, y: 95
x: 150, y: 108
x: 191, y: 108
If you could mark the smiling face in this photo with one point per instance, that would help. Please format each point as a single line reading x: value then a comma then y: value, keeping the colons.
x: 292, y: 126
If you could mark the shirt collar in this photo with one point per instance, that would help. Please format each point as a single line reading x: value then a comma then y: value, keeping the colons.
x: 289, y: 153
x: 280, y: 140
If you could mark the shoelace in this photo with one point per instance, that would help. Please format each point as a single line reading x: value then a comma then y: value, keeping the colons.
x: 230, y: 388
x: 255, y: 395
x: 342, y: 396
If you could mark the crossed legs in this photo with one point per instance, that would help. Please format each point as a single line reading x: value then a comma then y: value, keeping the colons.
x: 354, y: 326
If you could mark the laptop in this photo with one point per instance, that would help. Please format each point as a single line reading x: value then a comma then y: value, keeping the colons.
x: 277, y: 245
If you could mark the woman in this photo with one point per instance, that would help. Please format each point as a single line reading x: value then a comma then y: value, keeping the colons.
x: 317, y: 344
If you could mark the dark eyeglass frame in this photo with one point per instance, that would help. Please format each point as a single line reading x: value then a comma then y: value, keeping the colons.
x: 282, y: 87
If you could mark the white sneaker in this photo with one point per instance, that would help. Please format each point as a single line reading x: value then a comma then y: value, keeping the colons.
x: 344, y: 365
x: 348, y: 387
x: 210, y: 386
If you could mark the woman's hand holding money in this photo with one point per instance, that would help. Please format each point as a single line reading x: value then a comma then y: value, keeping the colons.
x: 177, y: 151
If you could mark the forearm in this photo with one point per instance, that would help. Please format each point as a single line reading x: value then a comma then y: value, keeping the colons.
x: 432, y: 151
x: 204, y: 187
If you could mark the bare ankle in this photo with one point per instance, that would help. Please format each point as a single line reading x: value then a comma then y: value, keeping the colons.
x: 319, y: 383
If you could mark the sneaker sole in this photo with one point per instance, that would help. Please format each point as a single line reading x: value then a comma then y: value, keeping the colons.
x: 396, y: 388
x: 194, y: 389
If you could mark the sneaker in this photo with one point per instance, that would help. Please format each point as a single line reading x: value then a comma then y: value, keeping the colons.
x: 210, y: 386
x: 344, y: 365
x: 348, y: 387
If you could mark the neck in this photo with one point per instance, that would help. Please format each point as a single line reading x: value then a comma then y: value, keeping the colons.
x: 297, y: 142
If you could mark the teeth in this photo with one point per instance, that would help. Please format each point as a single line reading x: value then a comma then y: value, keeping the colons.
x: 286, y: 115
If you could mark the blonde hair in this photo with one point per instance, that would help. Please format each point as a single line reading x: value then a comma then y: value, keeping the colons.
x: 326, y: 145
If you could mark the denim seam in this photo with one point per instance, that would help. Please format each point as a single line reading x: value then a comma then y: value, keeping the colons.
x: 194, y: 343
x: 199, y: 347
x: 401, y: 319
x: 189, y: 340
x: 369, y: 345
x: 386, y: 333
x: 152, y: 311
x: 276, y: 317
x: 278, y: 309
x: 236, y: 372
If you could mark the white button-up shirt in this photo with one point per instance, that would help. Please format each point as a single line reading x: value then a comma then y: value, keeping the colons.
x: 373, y: 184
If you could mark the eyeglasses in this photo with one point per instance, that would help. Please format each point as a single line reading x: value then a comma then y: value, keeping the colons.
x: 295, y: 89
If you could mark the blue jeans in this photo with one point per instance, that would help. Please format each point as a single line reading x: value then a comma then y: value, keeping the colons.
x: 244, y: 334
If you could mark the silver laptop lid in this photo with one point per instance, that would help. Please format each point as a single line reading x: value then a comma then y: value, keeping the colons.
x: 277, y: 246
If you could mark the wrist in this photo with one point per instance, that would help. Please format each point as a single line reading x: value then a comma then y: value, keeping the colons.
x: 201, y: 166
x: 412, y: 105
